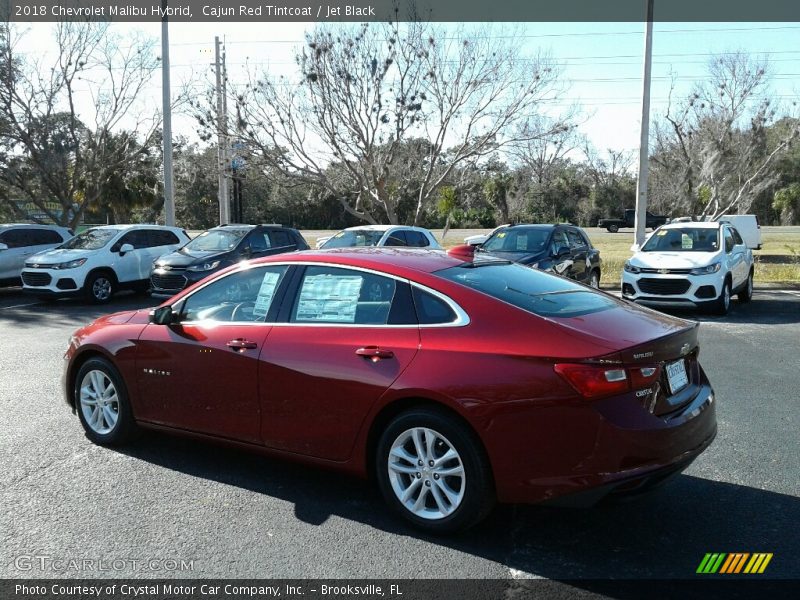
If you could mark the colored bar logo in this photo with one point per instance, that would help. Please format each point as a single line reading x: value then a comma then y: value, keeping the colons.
x: 732, y: 563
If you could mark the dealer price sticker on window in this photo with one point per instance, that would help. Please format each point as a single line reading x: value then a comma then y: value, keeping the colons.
x: 329, y: 298
x: 265, y: 293
x: 676, y: 375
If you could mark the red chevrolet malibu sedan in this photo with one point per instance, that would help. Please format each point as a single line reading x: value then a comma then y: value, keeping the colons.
x: 455, y: 383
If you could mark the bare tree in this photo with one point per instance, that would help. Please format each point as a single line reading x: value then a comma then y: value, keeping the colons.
x: 364, y: 92
x: 714, y: 144
x: 57, y: 148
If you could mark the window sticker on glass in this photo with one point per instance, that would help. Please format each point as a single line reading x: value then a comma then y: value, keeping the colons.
x: 522, y: 242
x: 329, y: 298
x: 662, y: 232
x: 686, y: 242
x: 265, y: 293
x: 501, y: 235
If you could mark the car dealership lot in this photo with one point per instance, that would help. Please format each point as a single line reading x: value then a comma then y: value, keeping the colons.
x: 226, y: 513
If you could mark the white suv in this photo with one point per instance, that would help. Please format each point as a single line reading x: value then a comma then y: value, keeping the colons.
x: 691, y: 264
x: 381, y: 235
x: 100, y: 261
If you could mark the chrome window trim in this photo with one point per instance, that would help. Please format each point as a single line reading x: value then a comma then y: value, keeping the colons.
x: 462, y: 318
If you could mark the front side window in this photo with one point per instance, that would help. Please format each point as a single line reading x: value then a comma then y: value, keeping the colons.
x: 243, y: 296
x: 530, y: 289
x: 683, y: 239
x: 517, y: 240
x: 575, y: 239
x: 343, y: 296
x: 91, y: 239
x: 729, y: 243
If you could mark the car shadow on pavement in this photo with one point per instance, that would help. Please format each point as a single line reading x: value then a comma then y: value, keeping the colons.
x: 768, y: 308
x: 24, y: 311
x: 661, y: 535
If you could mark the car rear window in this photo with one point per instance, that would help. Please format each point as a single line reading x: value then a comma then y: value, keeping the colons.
x: 529, y: 289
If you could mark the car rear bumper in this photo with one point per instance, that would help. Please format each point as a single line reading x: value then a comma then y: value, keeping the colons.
x: 603, y: 447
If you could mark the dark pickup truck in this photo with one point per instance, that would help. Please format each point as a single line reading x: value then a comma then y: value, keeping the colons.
x: 613, y: 225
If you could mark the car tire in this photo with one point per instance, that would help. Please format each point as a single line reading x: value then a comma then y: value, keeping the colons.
x: 613, y: 228
x: 722, y: 304
x: 102, y: 403
x: 99, y: 287
x: 594, y: 279
x: 446, y: 497
x: 746, y: 294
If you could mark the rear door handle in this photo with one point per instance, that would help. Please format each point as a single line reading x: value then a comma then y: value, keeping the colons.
x: 374, y: 353
x: 240, y: 344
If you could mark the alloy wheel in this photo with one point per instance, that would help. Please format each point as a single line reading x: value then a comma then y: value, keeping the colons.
x: 426, y: 473
x: 99, y: 402
x: 101, y: 288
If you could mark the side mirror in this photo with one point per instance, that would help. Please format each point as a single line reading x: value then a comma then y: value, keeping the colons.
x: 561, y: 251
x: 163, y: 315
x: 3, y: 247
x: 125, y: 248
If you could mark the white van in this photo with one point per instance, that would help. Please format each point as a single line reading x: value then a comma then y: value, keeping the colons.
x: 748, y: 228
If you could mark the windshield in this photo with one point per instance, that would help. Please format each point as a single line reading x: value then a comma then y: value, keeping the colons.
x: 683, y: 239
x: 517, y: 240
x: 91, y: 239
x: 354, y: 237
x: 216, y: 240
x: 529, y: 289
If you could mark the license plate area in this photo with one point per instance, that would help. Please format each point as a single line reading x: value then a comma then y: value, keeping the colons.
x: 676, y: 376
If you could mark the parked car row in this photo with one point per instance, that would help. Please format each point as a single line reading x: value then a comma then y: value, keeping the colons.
x: 685, y: 263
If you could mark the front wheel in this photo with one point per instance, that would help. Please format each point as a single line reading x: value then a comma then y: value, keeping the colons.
x: 613, y: 228
x: 99, y: 287
x: 432, y: 469
x: 747, y: 292
x: 722, y: 304
x: 102, y: 403
x: 594, y: 280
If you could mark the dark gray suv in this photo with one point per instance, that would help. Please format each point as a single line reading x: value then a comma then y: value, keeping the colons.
x: 216, y: 249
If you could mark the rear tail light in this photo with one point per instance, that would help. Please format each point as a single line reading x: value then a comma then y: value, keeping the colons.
x: 597, y: 381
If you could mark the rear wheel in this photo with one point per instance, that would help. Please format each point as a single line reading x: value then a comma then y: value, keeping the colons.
x: 747, y: 291
x: 722, y: 304
x: 434, y: 472
x: 99, y: 287
x: 102, y: 403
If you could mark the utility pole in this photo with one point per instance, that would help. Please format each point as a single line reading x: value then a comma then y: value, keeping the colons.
x: 169, y: 191
x: 222, y: 138
x: 644, y: 137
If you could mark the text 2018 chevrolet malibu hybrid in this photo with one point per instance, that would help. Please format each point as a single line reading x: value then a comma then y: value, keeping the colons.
x: 454, y: 383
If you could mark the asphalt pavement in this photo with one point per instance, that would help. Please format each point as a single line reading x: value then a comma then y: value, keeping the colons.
x: 170, y: 507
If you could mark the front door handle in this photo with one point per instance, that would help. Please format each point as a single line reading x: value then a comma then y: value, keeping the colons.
x: 374, y: 353
x: 240, y: 344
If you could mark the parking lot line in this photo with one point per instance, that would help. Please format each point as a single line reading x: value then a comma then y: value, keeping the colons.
x: 19, y: 305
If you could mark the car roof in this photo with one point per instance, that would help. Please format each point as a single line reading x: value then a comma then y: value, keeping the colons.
x: 37, y: 225
x: 126, y: 226
x: 536, y: 225
x: 697, y: 224
x: 383, y: 228
x: 394, y: 260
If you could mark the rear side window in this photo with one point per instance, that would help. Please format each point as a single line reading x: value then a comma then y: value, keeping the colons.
x: 343, y: 296
x: 17, y: 238
x: 432, y: 310
x: 40, y: 237
x: 280, y: 239
x: 161, y: 237
x: 417, y: 239
x: 259, y: 241
x: 529, y: 289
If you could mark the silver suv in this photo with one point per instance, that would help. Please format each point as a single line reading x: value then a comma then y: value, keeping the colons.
x: 18, y: 241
